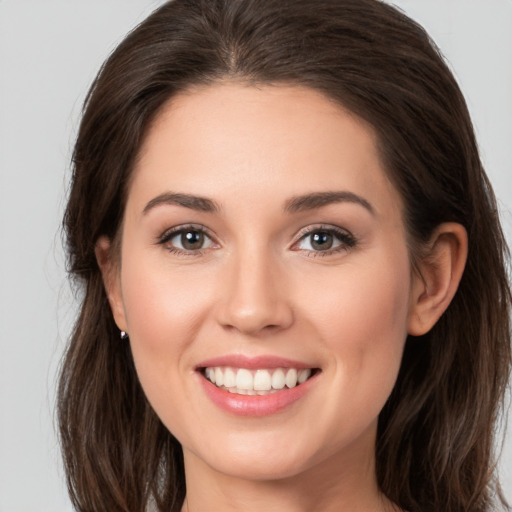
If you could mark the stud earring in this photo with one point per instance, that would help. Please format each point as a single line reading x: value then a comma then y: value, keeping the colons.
x: 124, y: 335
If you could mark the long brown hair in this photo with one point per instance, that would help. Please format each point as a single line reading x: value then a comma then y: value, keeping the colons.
x: 436, y: 433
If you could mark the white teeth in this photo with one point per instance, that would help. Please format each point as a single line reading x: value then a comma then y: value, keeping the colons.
x: 229, y: 378
x: 291, y: 378
x: 278, y: 379
x: 219, y: 377
x: 210, y: 374
x: 243, y: 381
x: 262, y: 380
x: 303, y: 375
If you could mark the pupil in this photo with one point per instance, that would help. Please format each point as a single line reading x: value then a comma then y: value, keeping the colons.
x: 192, y: 240
x: 322, y: 241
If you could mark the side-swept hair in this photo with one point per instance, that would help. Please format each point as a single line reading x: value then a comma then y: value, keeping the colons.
x: 435, y: 441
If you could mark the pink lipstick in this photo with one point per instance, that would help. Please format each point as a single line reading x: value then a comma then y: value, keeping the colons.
x: 257, y: 386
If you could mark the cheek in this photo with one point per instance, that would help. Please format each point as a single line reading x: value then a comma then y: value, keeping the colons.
x: 380, y: 301
x: 161, y: 305
x: 361, y: 316
x: 163, y: 311
x: 363, y: 300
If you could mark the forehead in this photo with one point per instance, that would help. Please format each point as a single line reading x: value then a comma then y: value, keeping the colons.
x: 233, y: 139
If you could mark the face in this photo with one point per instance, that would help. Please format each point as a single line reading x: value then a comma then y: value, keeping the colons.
x: 263, y: 248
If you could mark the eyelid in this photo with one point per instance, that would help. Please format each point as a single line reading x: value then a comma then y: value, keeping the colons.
x: 347, y: 239
x: 170, y: 233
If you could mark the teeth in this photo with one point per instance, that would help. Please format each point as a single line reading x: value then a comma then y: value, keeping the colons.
x: 278, y: 380
x: 303, y: 375
x: 244, y: 379
x: 262, y: 380
x: 210, y: 374
x: 219, y: 377
x: 256, y: 382
x: 291, y: 378
x: 229, y: 378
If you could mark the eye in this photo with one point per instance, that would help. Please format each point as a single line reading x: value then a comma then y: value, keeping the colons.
x: 186, y: 239
x: 325, y: 240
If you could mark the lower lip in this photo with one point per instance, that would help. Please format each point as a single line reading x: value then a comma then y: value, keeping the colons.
x: 255, y: 405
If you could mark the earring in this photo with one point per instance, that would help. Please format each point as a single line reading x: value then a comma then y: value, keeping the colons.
x: 124, y: 335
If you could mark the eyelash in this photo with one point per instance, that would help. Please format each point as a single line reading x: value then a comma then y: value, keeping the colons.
x: 166, y: 237
x: 346, y: 239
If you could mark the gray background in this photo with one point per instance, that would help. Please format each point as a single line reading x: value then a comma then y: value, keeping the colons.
x: 50, y: 51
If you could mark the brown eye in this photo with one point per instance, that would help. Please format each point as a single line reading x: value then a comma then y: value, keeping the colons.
x: 325, y: 240
x: 186, y: 240
x: 192, y: 240
x: 321, y: 240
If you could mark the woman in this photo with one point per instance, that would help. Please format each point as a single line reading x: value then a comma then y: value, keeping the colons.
x: 294, y: 279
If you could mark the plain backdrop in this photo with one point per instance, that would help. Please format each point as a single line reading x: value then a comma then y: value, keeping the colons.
x: 50, y: 51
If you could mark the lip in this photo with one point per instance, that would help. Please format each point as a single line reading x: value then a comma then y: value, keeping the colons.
x: 252, y: 363
x: 254, y: 405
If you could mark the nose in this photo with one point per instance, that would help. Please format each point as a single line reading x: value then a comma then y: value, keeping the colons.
x: 254, y: 295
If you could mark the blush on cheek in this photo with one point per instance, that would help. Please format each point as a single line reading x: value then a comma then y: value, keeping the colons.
x: 163, y: 316
x: 368, y: 329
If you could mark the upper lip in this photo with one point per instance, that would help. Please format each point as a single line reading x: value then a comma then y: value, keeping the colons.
x: 241, y: 361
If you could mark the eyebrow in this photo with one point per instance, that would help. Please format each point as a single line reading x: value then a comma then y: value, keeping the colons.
x: 202, y: 204
x: 293, y: 205
x: 319, y: 199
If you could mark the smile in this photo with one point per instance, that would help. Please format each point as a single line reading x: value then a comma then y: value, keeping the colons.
x: 244, y: 381
x: 256, y: 386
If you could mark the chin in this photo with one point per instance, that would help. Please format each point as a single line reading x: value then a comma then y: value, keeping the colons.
x: 262, y: 467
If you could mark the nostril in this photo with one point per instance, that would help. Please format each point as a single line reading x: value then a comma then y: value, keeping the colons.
x: 267, y: 317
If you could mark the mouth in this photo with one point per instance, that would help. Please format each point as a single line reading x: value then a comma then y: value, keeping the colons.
x: 261, y: 382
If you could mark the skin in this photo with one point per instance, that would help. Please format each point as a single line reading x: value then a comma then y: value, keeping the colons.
x: 258, y: 287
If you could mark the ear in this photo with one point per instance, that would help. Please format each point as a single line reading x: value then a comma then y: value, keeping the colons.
x: 437, y: 277
x: 109, y: 267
